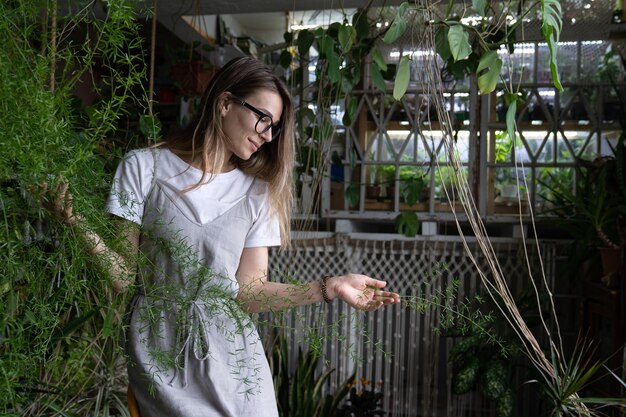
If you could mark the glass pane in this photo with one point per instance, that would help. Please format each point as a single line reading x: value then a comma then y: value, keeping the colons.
x: 592, y: 55
x: 510, y: 183
x: 446, y: 181
x: 583, y: 143
x: 540, y: 106
x: 611, y: 107
x: 461, y: 109
x: 535, y: 141
x: 563, y: 150
x: 425, y: 146
x: 521, y: 61
x: 462, y: 146
x: 609, y: 141
x: 588, y: 150
x: 400, y: 139
x: 551, y: 181
x: 435, y: 140
x: 567, y: 56
x: 503, y: 149
x: 545, y: 146
x: 380, y: 149
x: 543, y: 64
x: 576, y: 107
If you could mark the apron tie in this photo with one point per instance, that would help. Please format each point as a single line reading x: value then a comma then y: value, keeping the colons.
x: 196, y: 338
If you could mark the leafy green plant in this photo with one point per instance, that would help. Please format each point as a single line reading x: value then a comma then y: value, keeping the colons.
x: 412, y: 190
x: 486, y: 352
x: 301, y: 394
x: 407, y: 223
x: 59, y: 332
x: 594, y: 211
x: 579, y: 372
x: 353, y: 194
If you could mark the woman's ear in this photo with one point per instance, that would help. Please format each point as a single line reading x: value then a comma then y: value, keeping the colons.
x: 224, y: 103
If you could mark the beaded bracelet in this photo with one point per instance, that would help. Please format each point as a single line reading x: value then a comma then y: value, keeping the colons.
x: 324, y: 290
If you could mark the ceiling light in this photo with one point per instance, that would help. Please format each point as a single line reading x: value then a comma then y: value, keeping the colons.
x: 302, y: 27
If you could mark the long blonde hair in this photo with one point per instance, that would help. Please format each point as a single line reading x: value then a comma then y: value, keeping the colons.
x: 273, y: 162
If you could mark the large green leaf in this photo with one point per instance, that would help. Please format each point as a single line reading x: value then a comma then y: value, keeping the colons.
x: 398, y: 26
x: 325, y: 43
x: 492, y: 63
x: 402, y: 78
x: 458, y: 38
x: 377, y: 57
x: 551, y: 24
x: 407, y: 223
x: 442, y: 46
x: 352, y: 104
x: 377, y: 77
x: 285, y: 59
x: 510, y: 115
x: 347, y: 37
x: 361, y: 25
x: 305, y: 40
x: 352, y: 195
x: 333, y: 62
x: 480, y: 6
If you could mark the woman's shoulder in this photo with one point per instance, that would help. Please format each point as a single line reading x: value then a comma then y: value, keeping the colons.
x: 144, y: 158
x: 140, y: 156
x: 259, y: 186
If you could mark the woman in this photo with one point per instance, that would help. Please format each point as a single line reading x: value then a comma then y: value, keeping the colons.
x: 201, y: 210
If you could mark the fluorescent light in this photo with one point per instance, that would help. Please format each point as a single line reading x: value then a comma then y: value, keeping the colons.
x: 302, y: 27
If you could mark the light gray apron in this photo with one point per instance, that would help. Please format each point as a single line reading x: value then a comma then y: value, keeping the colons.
x: 192, y: 350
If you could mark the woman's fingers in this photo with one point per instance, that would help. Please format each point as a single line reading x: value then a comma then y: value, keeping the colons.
x: 363, y: 292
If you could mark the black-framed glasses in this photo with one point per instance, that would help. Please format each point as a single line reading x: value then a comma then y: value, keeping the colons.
x: 265, y: 121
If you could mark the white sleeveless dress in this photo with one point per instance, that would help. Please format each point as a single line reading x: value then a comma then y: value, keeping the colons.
x: 192, y: 351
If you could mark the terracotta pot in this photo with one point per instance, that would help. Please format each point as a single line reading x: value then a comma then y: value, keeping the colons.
x: 372, y: 191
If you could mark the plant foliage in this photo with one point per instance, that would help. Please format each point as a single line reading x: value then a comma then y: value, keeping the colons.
x: 59, y: 330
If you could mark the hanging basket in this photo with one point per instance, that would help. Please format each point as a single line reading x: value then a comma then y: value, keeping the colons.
x: 191, y: 78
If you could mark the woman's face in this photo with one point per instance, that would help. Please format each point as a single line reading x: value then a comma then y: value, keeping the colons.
x: 239, y: 121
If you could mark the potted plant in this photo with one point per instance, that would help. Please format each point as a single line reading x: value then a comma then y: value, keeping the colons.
x: 387, y: 175
x: 374, y: 178
x: 595, y: 211
x: 413, y: 185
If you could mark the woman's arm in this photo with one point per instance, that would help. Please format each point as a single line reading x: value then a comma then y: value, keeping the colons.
x: 257, y: 294
x: 118, y: 264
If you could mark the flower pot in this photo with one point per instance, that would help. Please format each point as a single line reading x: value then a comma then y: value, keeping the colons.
x: 372, y: 191
x: 390, y: 191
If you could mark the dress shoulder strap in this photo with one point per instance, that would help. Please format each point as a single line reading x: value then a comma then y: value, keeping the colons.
x: 251, y: 187
x: 156, y: 153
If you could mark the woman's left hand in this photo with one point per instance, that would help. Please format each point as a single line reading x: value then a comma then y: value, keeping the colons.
x: 361, y: 291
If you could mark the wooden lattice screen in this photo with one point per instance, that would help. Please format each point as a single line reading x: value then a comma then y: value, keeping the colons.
x: 397, y: 348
